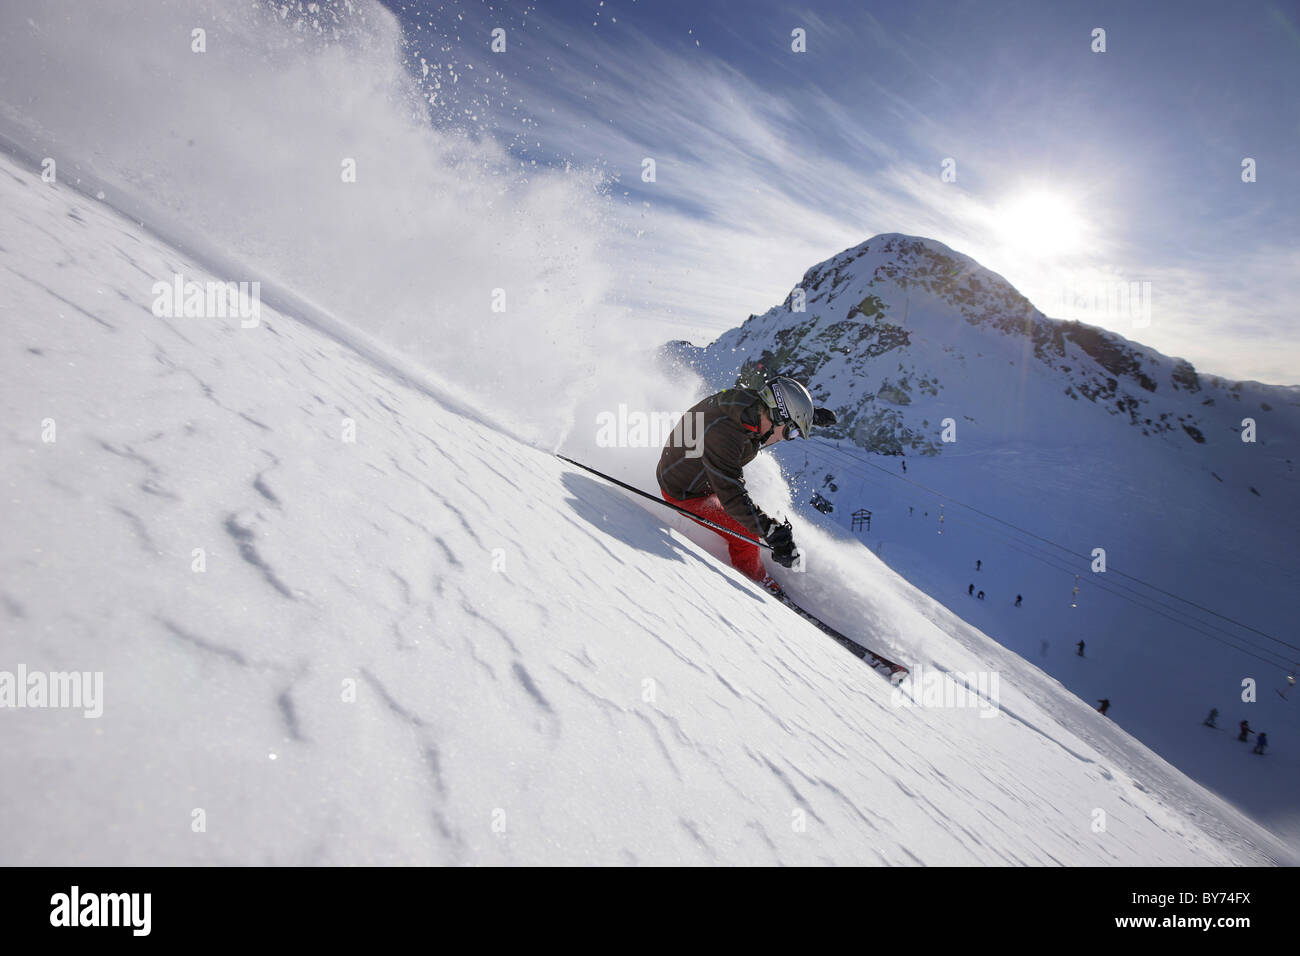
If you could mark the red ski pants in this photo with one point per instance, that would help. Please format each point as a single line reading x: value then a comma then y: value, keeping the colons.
x: 744, y: 554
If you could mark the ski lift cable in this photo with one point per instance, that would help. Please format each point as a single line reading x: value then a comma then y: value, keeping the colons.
x: 1066, y: 550
x: 1140, y: 600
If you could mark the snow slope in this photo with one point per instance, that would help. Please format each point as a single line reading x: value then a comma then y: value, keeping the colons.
x: 438, y: 644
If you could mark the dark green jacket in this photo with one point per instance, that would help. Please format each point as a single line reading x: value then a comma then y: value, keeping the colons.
x: 709, y: 456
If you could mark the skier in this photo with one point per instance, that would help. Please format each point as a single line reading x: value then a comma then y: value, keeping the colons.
x: 904, y: 467
x: 707, y: 479
x: 980, y: 596
x: 1210, y: 720
x: 970, y: 589
x: 977, y: 565
x: 1105, y: 704
x: 1261, y: 743
x: 1245, y: 729
x: 1081, y: 648
x: 1018, y: 599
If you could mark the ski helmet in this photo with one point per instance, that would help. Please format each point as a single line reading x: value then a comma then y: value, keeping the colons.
x: 789, y: 402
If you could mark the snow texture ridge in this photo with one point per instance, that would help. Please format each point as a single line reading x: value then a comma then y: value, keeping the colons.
x: 434, y: 644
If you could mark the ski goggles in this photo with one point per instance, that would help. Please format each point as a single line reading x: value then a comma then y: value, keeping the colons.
x: 791, y: 431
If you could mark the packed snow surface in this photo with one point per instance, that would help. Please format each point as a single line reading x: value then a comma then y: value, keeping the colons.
x: 416, y: 639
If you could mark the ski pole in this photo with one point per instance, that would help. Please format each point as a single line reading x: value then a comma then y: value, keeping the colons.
x: 668, y: 504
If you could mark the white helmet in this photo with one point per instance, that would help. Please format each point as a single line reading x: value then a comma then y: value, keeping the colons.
x: 790, y: 402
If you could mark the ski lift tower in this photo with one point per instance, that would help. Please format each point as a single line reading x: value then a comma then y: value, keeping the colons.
x: 862, y: 520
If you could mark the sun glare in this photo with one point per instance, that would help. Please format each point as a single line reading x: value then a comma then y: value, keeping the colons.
x: 1040, y: 223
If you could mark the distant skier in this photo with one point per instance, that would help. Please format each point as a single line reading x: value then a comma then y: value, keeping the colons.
x: 1018, y: 599
x: 1214, y: 715
x: 970, y: 589
x: 1105, y: 705
x: 1080, y: 648
x: 1245, y: 731
x: 977, y: 564
x: 980, y: 596
x: 705, y: 475
x: 904, y: 467
x: 1261, y: 743
x: 910, y: 509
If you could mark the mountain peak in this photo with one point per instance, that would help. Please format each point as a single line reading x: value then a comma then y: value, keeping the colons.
x: 899, y: 332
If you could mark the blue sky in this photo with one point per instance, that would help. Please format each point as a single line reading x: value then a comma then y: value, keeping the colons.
x: 1074, y: 169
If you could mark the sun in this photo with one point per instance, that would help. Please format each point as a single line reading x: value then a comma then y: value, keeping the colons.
x: 1040, y: 223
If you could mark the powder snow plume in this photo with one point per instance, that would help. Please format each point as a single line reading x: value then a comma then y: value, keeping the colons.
x: 446, y: 249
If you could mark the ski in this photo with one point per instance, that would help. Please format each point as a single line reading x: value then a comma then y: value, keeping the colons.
x: 891, y: 671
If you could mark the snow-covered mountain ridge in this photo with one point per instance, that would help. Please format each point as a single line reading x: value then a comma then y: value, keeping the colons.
x: 899, y: 329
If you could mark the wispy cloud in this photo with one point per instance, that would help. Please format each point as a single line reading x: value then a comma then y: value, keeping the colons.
x: 765, y: 166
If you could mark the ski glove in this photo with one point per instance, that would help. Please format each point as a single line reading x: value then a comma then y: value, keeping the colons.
x: 824, y: 416
x: 787, y: 558
x: 781, y: 538
x: 779, y: 535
